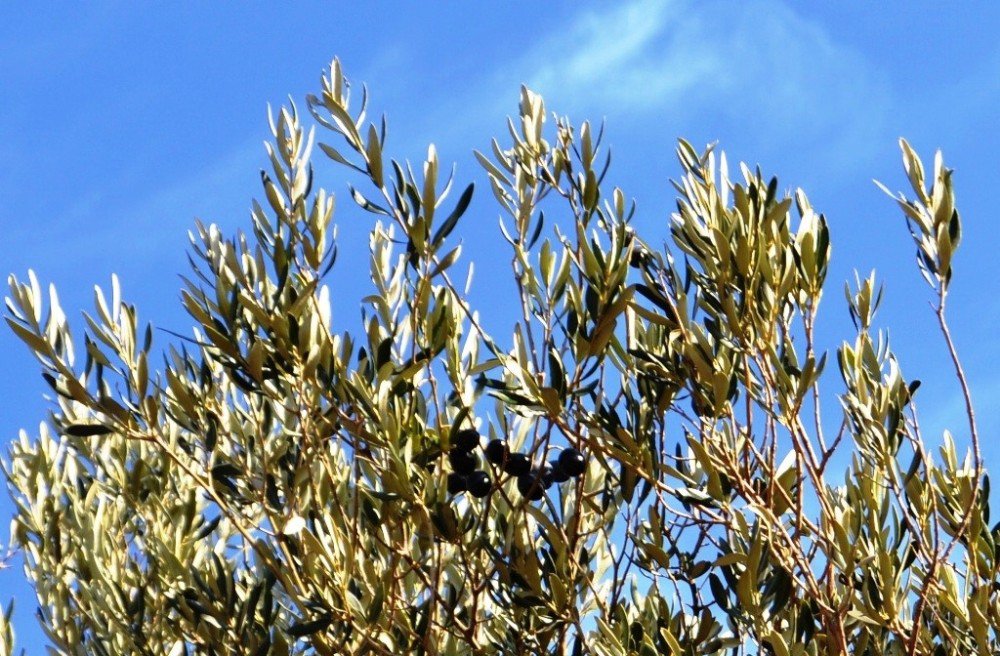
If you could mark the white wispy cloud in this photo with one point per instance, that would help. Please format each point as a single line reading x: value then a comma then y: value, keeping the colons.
x: 758, y: 64
x: 620, y: 58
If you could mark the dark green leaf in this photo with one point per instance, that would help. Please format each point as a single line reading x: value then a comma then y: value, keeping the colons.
x: 302, y: 629
x: 452, y: 220
x: 87, y: 430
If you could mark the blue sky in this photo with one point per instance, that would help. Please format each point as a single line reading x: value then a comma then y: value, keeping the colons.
x: 122, y: 122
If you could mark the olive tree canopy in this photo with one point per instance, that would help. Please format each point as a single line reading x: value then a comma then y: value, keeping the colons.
x: 644, y: 465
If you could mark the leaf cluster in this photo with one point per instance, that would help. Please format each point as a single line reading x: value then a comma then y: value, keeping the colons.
x: 278, y: 485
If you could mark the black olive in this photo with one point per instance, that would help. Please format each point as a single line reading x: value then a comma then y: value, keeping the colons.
x: 546, y: 475
x: 479, y: 484
x: 463, y: 462
x: 530, y: 487
x: 466, y: 439
x: 497, y: 452
x: 517, y: 464
x: 572, y: 462
x: 457, y: 483
x: 558, y: 474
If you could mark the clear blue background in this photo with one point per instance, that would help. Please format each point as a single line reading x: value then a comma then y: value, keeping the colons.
x: 122, y: 122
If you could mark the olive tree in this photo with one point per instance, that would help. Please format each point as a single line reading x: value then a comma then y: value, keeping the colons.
x: 644, y: 465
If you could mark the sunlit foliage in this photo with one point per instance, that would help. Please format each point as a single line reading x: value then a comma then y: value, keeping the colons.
x: 271, y: 483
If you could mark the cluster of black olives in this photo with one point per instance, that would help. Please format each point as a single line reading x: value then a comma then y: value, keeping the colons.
x: 465, y: 475
x: 532, y: 482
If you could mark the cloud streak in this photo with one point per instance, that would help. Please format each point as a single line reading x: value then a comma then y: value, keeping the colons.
x: 759, y: 65
x: 620, y: 58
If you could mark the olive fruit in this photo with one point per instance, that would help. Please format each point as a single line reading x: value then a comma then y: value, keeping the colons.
x: 517, y: 464
x: 457, y: 483
x: 479, y: 484
x: 462, y: 462
x: 497, y: 452
x: 466, y: 439
x: 530, y: 487
x: 546, y: 474
x: 558, y: 475
x: 572, y: 462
